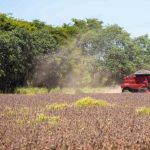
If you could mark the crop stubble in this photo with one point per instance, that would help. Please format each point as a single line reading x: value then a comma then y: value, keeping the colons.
x: 89, y: 128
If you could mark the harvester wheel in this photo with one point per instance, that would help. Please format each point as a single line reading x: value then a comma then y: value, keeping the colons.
x: 144, y: 89
x: 126, y: 91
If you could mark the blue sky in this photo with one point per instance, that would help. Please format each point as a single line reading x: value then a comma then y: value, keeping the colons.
x: 132, y: 15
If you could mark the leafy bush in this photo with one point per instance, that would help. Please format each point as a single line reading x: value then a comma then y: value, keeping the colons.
x: 41, y: 118
x: 31, y: 91
x: 90, y: 90
x: 143, y: 110
x: 68, y: 91
x: 57, y: 106
x: 88, y: 101
x: 55, y: 90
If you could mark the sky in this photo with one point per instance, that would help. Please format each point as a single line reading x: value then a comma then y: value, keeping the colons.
x: 132, y: 15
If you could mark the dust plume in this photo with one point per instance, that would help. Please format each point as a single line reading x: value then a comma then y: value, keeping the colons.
x: 77, y: 64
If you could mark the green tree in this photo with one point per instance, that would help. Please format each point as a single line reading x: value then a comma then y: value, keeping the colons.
x: 43, y: 42
x: 18, y: 49
x: 143, y: 44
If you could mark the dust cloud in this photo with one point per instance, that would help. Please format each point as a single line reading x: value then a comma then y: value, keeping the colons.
x: 71, y: 67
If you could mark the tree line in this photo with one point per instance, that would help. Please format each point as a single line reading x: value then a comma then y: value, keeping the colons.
x: 80, y: 53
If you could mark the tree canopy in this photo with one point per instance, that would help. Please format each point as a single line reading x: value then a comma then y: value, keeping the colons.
x: 81, y: 53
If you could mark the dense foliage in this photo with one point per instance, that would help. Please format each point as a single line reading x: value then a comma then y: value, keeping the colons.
x: 84, y: 52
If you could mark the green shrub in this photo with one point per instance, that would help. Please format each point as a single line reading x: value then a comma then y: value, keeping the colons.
x: 90, y: 90
x: 57, y: 106
x: 55, y: 90
x: 63, y: 90
x: 31, y: 90
x: 143, y: 110
x: 68, y: 91
x: 41, y: 118
x: 88, y: 101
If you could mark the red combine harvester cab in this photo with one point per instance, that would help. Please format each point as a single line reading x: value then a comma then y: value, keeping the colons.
x: 139, y: 82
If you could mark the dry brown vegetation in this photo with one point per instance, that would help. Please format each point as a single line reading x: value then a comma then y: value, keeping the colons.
x: 30, y: 122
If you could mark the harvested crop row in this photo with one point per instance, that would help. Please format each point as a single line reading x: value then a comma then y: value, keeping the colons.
x: 86, y: 121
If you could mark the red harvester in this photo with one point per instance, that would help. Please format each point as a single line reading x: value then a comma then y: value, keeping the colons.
x: 139, y: 82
